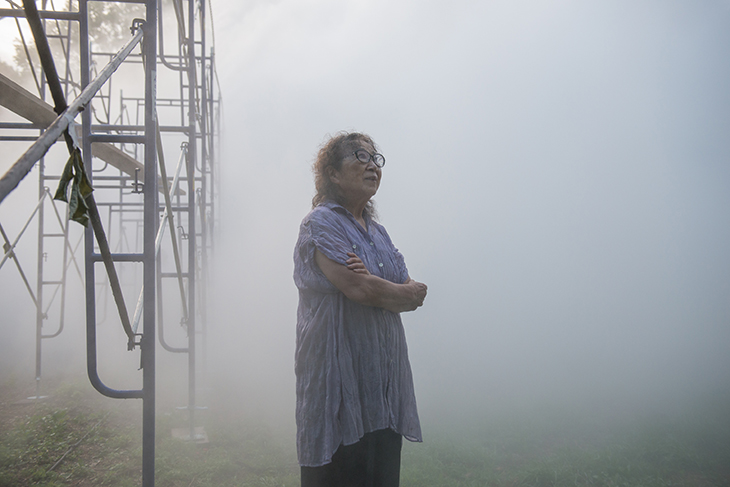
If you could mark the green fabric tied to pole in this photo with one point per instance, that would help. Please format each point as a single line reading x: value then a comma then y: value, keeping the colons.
x: 80, y: 188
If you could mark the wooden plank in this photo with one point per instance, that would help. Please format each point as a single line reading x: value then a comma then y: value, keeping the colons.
x: 122, y: 160
x: 24, y: 103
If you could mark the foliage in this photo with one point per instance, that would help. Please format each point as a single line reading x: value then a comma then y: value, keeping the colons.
x: 109, y: 25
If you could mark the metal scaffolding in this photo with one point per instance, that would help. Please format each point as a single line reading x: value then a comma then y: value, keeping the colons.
x: 163, y: 140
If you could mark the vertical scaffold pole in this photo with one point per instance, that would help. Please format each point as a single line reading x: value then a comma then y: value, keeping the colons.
x: 39, y: 283
x: 40, y: 259
x: 204, y: 161
x: 192, y: 251
x: 149, y: 341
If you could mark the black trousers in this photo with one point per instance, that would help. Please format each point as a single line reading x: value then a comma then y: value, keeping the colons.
x: 374, y: 461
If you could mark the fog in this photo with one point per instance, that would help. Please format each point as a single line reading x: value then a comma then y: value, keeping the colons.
x: 557, y: 173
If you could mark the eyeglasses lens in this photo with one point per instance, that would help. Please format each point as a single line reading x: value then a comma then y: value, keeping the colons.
x: 365, y: 157
x: 362, y: 156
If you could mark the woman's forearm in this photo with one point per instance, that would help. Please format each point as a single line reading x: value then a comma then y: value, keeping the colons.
x: 375, y: 291
x: 370, y: 290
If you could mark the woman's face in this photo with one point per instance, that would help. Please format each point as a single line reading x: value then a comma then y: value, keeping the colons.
x: 358, y: 181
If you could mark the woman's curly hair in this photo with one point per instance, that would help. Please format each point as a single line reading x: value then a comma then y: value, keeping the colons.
x: 331, y: 154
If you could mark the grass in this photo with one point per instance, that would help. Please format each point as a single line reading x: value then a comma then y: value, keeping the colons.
x: 688, y: 451
x: 101, y: 441
x: 240, y: 453
x: 34, y: 436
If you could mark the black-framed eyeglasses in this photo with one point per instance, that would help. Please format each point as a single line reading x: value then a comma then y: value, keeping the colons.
x: 365, y: 157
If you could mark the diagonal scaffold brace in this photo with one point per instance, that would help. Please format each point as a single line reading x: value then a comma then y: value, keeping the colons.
x: 65, y: 118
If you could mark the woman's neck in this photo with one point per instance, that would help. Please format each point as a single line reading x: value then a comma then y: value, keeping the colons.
x: 357, y: 209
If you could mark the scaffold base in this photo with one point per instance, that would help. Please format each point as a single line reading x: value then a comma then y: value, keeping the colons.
x: 199, y: 435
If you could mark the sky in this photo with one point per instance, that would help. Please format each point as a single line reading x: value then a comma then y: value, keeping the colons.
x: 557, y: 174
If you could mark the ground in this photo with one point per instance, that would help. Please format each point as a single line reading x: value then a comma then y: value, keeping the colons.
x: 76, y: 437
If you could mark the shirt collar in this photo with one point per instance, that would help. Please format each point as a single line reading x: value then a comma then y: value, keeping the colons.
x: 332, y: 204
x: 335, y: 206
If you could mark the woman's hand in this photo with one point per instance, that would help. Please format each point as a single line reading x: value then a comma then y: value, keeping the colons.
x: 418, y: 290
x: 355, y: 264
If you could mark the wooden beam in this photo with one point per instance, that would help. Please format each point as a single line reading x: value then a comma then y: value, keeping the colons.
x: 24, y: 103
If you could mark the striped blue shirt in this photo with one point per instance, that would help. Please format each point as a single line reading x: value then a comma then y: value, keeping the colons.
x: 351, y: 361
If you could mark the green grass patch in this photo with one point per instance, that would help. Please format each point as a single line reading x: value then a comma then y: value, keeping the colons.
x: 688, y: 451
x: 56, y: 442
x: 101, y: 441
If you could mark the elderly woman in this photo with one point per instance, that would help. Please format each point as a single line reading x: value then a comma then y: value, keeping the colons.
x: 355, y: 397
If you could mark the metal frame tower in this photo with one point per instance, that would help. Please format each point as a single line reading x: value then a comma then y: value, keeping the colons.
x: 177, y: 109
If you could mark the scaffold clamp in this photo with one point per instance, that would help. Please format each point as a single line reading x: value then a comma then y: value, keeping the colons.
x: 136, y: 25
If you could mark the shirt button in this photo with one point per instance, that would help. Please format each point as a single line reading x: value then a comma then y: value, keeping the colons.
x: 380, y: 264
x: 354, y: 246
x: 372, y: 243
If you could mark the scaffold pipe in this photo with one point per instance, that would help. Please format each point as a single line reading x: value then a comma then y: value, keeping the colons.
x: 167, y: 216
x: 22, y: 166
x: 161, y: 38
x: 170, y: 216
x: 65, y: 118
x: 11, y: 252
x: 11, y: 247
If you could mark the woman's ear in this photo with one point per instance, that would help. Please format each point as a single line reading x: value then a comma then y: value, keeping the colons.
x: 333, y: 174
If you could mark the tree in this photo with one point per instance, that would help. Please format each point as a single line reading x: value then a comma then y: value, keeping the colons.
x: 108, y: 30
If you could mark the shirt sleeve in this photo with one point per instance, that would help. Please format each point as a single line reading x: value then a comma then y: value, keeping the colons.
x: 400, y: 265
x: 399, y: 262
x: 321, y: 231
